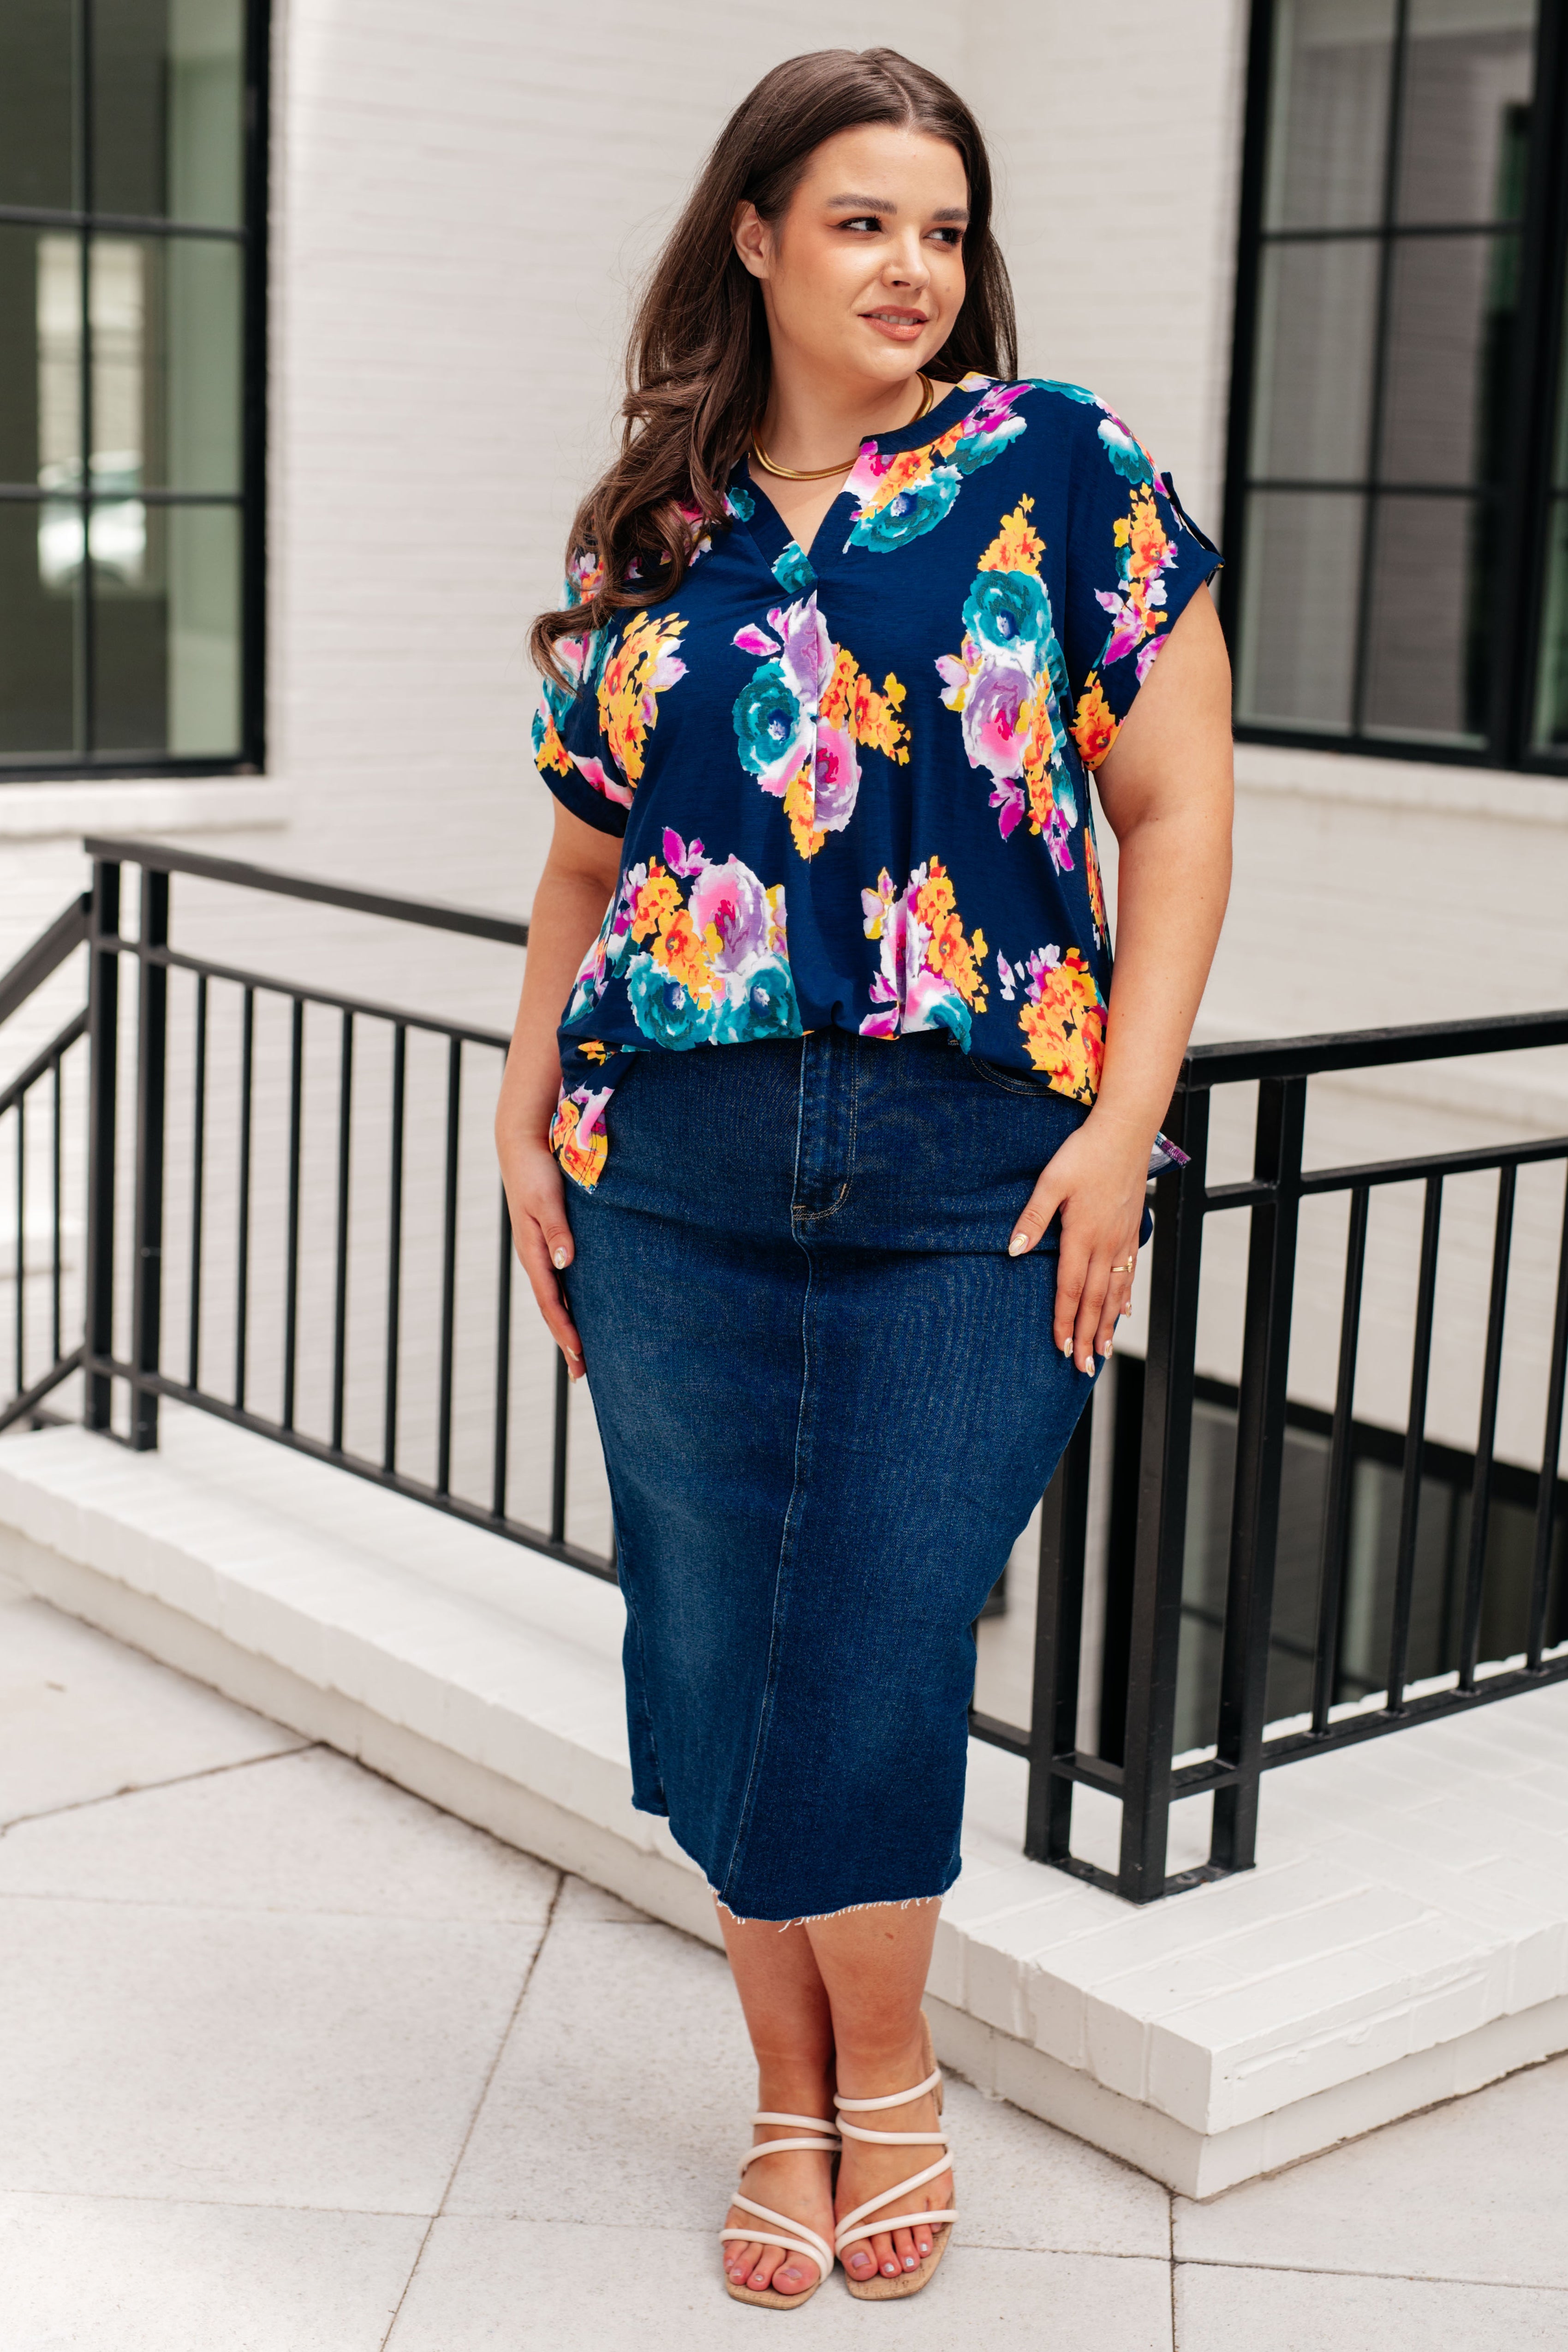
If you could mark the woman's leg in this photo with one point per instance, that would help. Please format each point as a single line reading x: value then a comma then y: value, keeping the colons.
x: 787, y: 2014
x: 873, y: 1963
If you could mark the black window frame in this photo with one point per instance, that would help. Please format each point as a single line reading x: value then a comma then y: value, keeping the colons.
x: 1525, y: 496
x: 250, y: 236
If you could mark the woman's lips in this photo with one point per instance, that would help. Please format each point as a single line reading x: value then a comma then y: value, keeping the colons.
x: 901, y: 325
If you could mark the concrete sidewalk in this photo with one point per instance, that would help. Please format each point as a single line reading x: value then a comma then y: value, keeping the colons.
x: 290, y: 2061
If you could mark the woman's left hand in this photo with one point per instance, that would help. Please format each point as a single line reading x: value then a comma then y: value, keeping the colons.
x: 1096, y: 1181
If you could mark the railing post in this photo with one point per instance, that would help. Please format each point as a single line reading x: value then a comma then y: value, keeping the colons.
x: 104, y: 1056
x: 1163, y: 1464
x: 1058, y: 1640
x: 152, y: 1045
x: 1260, y: 1463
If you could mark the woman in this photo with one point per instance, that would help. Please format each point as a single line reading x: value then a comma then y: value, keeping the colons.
x: 848, y: 621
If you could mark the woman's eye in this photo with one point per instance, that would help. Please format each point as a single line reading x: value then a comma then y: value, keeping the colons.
x: 866, y: 220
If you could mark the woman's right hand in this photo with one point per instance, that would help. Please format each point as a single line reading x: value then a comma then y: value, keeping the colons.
x: 535, y: 1196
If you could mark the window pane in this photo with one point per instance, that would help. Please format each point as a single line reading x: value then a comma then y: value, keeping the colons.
x: 1317, y: 324
x: 1450, y: 346
x: 1303, y: 563
x: 40, y: 582
x: 1469, y: 67
x: 1552, y: 692
x: 166, y: 637
x: 167, y: 343
x: 36, y: 41
x: 1328, y: 114
x: 1425, y: 655
x: 168, y: 112
x: 40, y: 356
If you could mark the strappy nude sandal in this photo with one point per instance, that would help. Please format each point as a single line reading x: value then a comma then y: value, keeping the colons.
x: 805, y: 2241
x: 856, y: 2226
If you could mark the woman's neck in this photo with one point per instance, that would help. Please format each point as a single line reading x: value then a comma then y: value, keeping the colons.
x: 812, y: 420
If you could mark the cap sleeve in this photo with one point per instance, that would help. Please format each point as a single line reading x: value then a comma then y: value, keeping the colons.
x: 1134, y: 561
x: 571, y: 748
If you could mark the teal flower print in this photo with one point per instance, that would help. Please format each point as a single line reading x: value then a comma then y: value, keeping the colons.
x: 911, y: 512
x: 793, y: 572
x: 666, y: 1010
x: 1130, y: 461
x: 1007, y: 612
x: 767, y: 1009
x: 767, y: 717
x: 741, y: 503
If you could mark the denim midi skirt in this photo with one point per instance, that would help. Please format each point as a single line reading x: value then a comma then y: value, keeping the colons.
x: 829, y: 1402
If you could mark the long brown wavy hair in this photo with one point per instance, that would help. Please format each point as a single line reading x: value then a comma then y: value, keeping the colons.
x: 698, y: 359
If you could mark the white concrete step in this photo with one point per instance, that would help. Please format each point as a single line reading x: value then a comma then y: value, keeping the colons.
x: 1404, y: 1936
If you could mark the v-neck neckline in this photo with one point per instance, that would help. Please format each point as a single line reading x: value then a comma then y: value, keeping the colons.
x: 770, y: 532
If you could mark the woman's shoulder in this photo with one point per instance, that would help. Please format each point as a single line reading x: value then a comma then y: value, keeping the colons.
x: 1079, y: 420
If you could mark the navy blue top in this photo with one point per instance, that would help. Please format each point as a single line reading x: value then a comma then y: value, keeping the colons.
x: 853, y: 785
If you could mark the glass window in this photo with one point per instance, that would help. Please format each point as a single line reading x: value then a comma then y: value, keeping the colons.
x: 1385, y: 508
x: 129, y: 509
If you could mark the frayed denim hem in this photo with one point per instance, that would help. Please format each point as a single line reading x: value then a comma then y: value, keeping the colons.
x: 809, y: 1918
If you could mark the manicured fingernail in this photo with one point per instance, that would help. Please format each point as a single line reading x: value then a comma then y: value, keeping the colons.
x: 560, y: 1257
x: 576, y: 1354
x: 1018, y: 1245
x: 1067, y: 1347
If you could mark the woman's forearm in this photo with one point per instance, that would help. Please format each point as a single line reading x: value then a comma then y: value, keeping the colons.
x: 1173, y: 879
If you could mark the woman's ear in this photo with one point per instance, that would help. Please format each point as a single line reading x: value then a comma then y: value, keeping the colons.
x: 752, y: 240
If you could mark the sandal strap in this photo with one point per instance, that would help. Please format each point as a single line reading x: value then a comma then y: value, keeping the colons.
x: 774, y: 2147
x: 894, y: 2099
x: 807, y: 2123
x: 893, y: 2222
x: 806, y: 2240
x: 846, y: 2228
x: 894, y: 2140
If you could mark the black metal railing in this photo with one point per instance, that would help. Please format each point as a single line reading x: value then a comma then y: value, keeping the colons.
x: 306, y: 1179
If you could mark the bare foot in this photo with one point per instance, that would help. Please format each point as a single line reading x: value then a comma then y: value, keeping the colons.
x: 799, y: 2183
x: 865, y: 2169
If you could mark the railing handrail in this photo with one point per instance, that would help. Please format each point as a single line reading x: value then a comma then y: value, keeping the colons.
x: 1225, y: 1061
x: 48, y: 952
x: 434, y: 913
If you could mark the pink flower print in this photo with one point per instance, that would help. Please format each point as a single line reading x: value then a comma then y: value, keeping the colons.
x: 731, y: 900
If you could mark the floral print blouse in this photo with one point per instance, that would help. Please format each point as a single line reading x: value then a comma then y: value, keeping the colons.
x: 853, y: 783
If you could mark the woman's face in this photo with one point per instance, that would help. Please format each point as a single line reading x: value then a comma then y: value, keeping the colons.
x: 863, y: 275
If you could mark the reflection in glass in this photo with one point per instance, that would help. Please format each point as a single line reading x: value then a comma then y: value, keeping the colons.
x: 167, y: 647
x: 1453, y: 302
x: 167, y: 346
x: 1328, y: 132
x: 36, y: 126
x: 1425, y: 655
x: 1302, y: 562
x: 38, y: 644
x: 1316, y: 328
x: 168, y: 84
x: 1469, y: 70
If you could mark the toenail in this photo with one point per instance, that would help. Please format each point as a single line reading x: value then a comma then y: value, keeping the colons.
x: 892, y: 2269
x: 909, y: 2262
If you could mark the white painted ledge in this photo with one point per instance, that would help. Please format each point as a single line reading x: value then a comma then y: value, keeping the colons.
x: 53, y: 811
x: 1405, y: 1938
x: 1432, y: 787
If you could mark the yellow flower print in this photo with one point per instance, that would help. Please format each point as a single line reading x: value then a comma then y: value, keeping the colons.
x: 1064, y: 1025
x: 642, y: 664
x: 582, y: 1161
x: 1018, y: 546
x: 681, y: 950
x: 592, y: 1051
x: 1095, y: 725
x: 550, y: 751
x: 957, y: 958
x: 1096, y: 889
x: 653, y: 901
x: 801, y: 807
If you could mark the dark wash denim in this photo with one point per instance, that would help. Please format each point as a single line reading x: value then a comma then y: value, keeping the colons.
x: 828, y: 1402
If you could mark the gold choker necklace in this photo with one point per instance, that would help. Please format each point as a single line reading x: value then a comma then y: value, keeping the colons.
x: 821, y: 473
